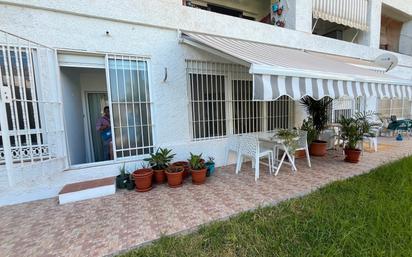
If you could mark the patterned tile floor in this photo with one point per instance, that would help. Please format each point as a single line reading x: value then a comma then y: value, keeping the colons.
x: 127, y: 219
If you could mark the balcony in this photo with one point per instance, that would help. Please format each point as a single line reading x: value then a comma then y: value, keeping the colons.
x: 261, y: 11
x: 396, y: 31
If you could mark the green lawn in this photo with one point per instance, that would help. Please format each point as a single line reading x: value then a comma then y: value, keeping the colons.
x: 369, y: 215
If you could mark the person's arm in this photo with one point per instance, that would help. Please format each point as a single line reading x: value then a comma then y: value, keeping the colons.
x: 100, y: 126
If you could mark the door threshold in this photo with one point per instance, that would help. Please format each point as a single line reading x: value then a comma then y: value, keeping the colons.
x: 91, y: 165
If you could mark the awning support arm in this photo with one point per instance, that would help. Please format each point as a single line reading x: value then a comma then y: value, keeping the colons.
x: 314, y: 25
x: 354, y: 37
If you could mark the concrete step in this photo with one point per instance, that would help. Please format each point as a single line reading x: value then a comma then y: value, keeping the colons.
x: 87, y: 190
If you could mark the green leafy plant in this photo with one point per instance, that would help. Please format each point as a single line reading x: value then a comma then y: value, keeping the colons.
x: 161, y: 159
x: 355, y: 128
x: 196, y: 162
x: 307, y: 126
x: 210, y: 160
x: 289, y: 138
x: 318, y: 112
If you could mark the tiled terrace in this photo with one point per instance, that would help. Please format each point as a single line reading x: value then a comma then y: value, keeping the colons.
x: 128, y: 219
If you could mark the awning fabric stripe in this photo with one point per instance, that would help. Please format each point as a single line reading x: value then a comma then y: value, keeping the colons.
x: 279, y: 71
x: 351, y: 13
x: 268, y: 87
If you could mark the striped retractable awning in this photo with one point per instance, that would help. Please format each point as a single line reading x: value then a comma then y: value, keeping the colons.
x: 279, y: 71
x: 351, y: 13
x: 268, y: 87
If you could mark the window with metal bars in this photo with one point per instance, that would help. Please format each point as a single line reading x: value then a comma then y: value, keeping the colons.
x: 221, y: 102
x: 22, y: 113
x: 247, y: 114
x: 401, y: 108
x: 131, y: 106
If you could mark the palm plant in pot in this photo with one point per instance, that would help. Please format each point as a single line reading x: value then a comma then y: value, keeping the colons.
x: 318, y: 113
x: 353, y: 130
x: 197, y: 169
x: 159, y: 161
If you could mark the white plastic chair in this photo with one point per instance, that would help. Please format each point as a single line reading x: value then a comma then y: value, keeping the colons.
x: 302, y: 144
x: 232, y: 145
x: 249, y: 147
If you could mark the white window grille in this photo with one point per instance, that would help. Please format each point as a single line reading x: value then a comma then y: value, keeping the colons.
x: 343, y: 106
x: 401, y: 108
x: 131, y: 106
x: 247, y: 114
x: 280, y: 113
x: 221, y: 102
x: 32, y: 118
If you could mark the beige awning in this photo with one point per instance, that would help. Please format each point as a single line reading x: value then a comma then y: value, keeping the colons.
x: 281, y: 71
x: 351, y: 13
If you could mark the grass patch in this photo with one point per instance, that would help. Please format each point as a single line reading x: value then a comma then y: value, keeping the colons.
x: 368, y: 215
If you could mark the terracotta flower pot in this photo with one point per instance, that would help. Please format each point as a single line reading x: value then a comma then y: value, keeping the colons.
x: 185, y: 166
x: 318, y: 148
x: 198, y: 176
x: 174, y: 179
x: 160, y: 176
x: 143, y: 179
x: 352, y: 155
x: 299, y: 154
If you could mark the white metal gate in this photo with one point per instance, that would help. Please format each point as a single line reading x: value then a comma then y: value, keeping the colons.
x: 130, y: 106
x: 31, y: 121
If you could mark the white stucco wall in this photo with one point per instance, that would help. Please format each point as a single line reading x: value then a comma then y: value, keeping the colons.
x: 134, y: 30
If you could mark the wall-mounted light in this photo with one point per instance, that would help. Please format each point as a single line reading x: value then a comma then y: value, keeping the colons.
x: 165, y: 77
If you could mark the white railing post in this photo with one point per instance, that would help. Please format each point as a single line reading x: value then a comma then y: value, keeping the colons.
x: 6, y: 141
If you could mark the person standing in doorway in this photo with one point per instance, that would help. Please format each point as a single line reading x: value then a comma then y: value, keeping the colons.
x: 103, y: 126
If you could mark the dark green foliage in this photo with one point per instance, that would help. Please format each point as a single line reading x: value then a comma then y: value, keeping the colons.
x: 317, y: 111
x: 160, y: 159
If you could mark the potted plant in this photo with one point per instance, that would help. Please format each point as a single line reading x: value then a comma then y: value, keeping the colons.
x: 210, y: 166
x: 318, y: 113
x: 143, y: 178
x: 197, y: 169
x: 159, y: 161
x: 123, y: 178
x: 174, y: 176
x: 289, y: 138
x: 353, y: 130
x: 185, y: 166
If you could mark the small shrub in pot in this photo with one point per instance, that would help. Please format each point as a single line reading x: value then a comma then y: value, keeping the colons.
x: 174, y: 176
x: 143, y: 179
x: 197, y: 169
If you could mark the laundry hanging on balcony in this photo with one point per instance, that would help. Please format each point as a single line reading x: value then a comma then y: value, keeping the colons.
x: 352, y: 13
x: 279, y: 71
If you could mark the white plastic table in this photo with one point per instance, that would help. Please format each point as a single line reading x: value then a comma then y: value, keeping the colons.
x: 278, y: 144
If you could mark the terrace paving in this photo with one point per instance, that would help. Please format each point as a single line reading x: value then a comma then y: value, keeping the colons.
x: 109, y: 225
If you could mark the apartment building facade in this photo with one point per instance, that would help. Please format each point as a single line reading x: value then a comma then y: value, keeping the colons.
x: 182, y: 75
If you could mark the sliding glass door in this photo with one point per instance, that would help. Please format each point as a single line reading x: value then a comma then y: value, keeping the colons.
x: 130, y: 106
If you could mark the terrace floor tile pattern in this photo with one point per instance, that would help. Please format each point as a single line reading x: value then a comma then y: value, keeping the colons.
x: 111, y: 224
